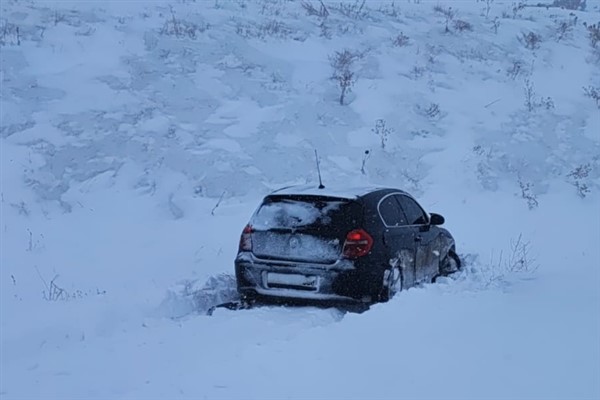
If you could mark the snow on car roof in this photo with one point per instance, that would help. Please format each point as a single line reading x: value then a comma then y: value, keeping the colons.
x: 341, y: 192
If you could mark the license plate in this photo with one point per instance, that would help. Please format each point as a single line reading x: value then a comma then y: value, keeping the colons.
x: 306, y: 281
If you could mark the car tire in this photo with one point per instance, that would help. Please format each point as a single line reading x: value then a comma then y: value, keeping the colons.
x: 450, y: 264
x: 389, y: 288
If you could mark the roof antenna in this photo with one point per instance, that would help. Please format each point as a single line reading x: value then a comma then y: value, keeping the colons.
x: 319, y: 170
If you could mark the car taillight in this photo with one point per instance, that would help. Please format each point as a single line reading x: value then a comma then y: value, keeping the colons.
x: 358, y: 243
x: 246, y: 239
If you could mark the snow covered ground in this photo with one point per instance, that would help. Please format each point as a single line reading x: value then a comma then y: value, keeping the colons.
x: 137, y: 138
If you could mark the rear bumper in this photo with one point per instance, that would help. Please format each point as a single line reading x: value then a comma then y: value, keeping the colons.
x: 340, y: 282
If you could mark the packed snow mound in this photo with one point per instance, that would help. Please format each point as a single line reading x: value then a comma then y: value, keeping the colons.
x: 192, y: 297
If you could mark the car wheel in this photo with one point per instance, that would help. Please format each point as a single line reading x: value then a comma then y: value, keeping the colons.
x: 450, y: 264
x: 392, y: 284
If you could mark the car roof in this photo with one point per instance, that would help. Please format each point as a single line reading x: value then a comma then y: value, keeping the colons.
x: 334, y: 191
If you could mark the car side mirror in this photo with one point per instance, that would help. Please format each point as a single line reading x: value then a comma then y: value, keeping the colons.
x: 436, y: 219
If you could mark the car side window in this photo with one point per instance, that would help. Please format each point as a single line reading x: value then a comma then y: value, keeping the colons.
x: 391, y: 213
x: 414, y: 213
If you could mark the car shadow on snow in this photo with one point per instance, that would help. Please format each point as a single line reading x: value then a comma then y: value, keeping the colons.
x: 189, y: 297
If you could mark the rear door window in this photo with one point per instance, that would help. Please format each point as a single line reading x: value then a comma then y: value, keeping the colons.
x: 306, y: 212
x: 390, y: 212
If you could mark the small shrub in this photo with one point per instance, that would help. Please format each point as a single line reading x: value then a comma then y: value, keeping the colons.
x: 520, y: 258
x: 530, y: 40
x: 481, y: 151
x: 34, y: 244
x: 321, y: 12
x: 325, y: 30
x: 564, y: 28
x: 342, y: 63
x: 462, y: 26
x: 528, y: 194
x: 22, y: 209
x: 593, y: 33
x: 447, y: 13
x: 485, y: 172
x: 53, y: 292
x: 488, y: 7
x: 531, y: 102
x: 547, y: 103
x: 382, y: 131
x: 519, y: 261
x: 578, y: 176
x: 272, y: 28
x: 496, y: 25
x: 9, y: 34
x: 517, y: 8
x: 593, y: 93
x: 515, y: 69
x: 400, y: 40
x: 182, y: 28
x: 433, y: 111
x: 417, y: 71
x: 354, y: 10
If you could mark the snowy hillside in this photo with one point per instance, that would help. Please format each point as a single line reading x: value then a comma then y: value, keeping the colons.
x: 138, y: 137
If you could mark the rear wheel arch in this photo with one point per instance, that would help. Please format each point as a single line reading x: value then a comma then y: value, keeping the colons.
x: 450, y: 264
x: 452, y: 252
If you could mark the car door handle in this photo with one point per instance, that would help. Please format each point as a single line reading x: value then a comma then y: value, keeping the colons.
x: 418, y: 238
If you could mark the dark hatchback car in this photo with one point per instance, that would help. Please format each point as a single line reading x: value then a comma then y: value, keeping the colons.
x: 349, y: 246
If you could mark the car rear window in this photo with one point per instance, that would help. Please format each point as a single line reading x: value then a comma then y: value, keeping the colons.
x: 294, y: 212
